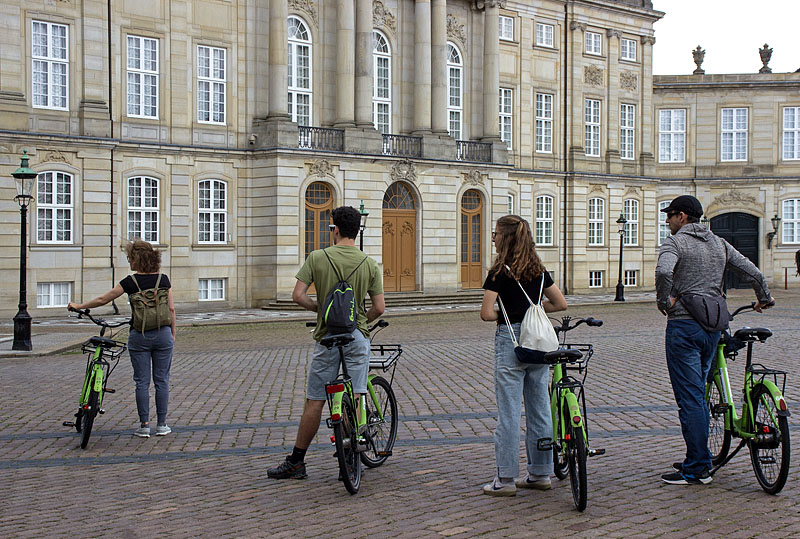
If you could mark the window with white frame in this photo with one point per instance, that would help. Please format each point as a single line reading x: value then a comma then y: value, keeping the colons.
x: 142, y: 77
x: 506, y: 123
x: 53, y: 294
x: 506, y: 28
x: 791, y: 220
x: 50, y: 73
x: 544, y: 123
x: 628, y: 49
x: 734, y: 134
x: 455, y: 108
x: 597, y: 220
x: 211, y: 289
x: 663, y: 227
x: 143, y: 208
x: 672, y: 136
x: 212, y: 211
x: 593, y: 43
x: 211, y: 85
x: 595, y: 279
x: 544, y: 35
x: 299, y: 72
x: 631, y: 212
x: 592, y: 122
x: 791, y: 133
x: 54, y: 200
x: 382, y: 83
x: 631, y: 278
x: 510, y: 206
x: 627, y: 130
x: 544, y: 220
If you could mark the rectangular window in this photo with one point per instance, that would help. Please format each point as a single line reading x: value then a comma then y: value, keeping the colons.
x: 381, y: 96
x: 631, y: 278
x: 544, y: 35
x: 628, y: 49
x: 672, y: 136
x: 211, y: 85
x: 595, y: 279
x: 211, y: 290
x: 50, y: 73
x: 54, y: 207
x: 212, y: 211
x: 791, y: 220
x: 631, y: 213
x: 544, y: 123
x: 544, y: 220
x: 791, y: 133
x: 627, y: 130
x: 597, y: 217
x: 511, y: 206
x: 592, y: 119
x: 454, y: 102
x: 53, y: 294
x: 593, y: 43
x: 663, y: 227
x: 734, y: 134
x: 143, y: 208
x: 506, y: 123
x: 506, y: 28
x: 142, y: 77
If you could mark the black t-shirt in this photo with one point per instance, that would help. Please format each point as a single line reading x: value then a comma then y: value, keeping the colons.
x: 146, y: 281
x: 513, y: 299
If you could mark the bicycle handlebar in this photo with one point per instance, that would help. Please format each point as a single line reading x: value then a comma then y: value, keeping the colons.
x: 565, y: 320
x: 379, y: 324
x: 99, y: 321
x: 750, y: 307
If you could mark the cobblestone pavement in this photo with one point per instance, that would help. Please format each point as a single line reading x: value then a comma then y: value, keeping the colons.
x: 237, y: 392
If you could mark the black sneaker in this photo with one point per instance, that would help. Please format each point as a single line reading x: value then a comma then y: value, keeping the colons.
x: 680, y: 478
x: 677, y: 466
x: 288, y: 470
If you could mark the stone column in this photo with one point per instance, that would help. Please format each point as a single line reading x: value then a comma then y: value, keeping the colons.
x: 578, y: 105
x: 439, y: 66
x: 611, y: 113
x: 364, y: 63
x: 93, y: 107
x: 491, y: 71
x: 345, y: 60
x: 645, y: 142
x: 278, y: 59
x: 422, y: 67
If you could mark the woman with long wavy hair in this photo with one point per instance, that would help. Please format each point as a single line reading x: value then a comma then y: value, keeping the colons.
x: 517, y: 261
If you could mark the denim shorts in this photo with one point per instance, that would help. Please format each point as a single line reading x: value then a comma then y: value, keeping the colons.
x: 324, y: 366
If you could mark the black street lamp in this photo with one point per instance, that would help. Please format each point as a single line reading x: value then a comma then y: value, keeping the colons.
x: 621, y: 287
x: 24, y: 178
x: 364, y: 214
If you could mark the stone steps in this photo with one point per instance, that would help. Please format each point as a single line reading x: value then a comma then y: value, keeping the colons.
x: 400, y: 299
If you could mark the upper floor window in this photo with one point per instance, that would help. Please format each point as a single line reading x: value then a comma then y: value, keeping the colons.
x: 382, y: 83
x: 791, y: 220
x: 299, y: 70
x: 597, y: 218
x: 143, y: 208
x: 544, y: 220
x: 544, y: 123
x: 506, y: 28
x: 50, y: 73
x: 631, y: 212
x: 511, y: 206
x: 627, y: 130
x: 455, y: 108
x: 734, y: 134
x: 663, y: 227
x: 142, y: 77
x: 593, y: 43
x: 672, y: 136
x: 212, y: 211
x: 211, y: 85
x: 506, y: 123
x: 544, y: 34
x: 592, y: 119
x: 791, y: 133
x: 628, y: 49
x: 54, y: 200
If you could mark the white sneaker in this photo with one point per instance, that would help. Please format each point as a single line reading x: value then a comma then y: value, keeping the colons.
x: 497, y: 488
x: 162, y: 430
x: 142, y: 432
x: 539, y: 482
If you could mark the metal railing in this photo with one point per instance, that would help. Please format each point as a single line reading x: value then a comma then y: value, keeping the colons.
x: 468, y: 150
x: 320, y: 138
x: 402, y: 145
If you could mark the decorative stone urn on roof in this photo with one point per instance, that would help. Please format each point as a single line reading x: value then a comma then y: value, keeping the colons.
x: 766, y: 53
x: 698, y: 54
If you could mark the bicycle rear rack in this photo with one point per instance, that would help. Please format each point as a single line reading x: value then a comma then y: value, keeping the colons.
x: 757, y: 369
x: 384, y: 356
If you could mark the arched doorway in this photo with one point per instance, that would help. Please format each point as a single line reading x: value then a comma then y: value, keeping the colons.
x: 399, y: 239
x: 319, y: 203
x: 741, y: 231
x: 471, y: 239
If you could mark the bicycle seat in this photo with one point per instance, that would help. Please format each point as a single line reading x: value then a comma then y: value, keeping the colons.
x: 341, y: 339
x: 752, y: 334
x: 103, y: 341
x: 563, y: 355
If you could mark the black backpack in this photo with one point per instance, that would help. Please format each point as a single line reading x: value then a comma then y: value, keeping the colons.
x: 339, y: 309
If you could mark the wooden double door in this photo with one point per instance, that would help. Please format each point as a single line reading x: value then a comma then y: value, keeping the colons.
x: 399, y: 239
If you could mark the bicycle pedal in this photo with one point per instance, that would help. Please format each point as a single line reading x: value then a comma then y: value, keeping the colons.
x: 109, y: 390
x: 720, y: 408
x: 68, y: 423
x: 544, y: 444
x: 596, y: 452
x: 384, y: 453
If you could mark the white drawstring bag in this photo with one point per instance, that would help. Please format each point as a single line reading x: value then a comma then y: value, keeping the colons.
x: 537, y: 336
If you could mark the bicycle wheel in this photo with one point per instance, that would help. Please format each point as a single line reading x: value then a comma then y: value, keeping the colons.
x: 576, y: 450
x: 88, y: 418
x: 719, y: 438
x: 560, y: 461
x: 346, y: 439
x: 770, y: 450
x: 381, y: 433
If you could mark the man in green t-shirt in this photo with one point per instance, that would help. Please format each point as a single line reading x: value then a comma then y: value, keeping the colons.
x: 324, y: 366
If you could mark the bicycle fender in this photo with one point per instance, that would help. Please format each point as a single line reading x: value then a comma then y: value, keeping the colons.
x: 574, y: 408
x: 98, y: 380
x: 336, y: 406
x: 780, y: 401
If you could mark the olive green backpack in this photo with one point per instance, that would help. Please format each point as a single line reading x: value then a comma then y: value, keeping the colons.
x: 150, y: 307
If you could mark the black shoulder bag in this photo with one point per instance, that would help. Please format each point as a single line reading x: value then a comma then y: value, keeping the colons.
x: 711, y: 312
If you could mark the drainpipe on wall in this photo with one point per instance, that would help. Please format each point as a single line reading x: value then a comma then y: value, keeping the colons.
x: 111, y: 165
x: 565, y: 125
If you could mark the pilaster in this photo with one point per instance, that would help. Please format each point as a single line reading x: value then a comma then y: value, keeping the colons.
x: 345, y: 64
x: 422, y: 67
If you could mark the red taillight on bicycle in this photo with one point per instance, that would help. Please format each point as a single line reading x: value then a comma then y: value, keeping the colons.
x: 336, y: 417
x: 333, y: 439
x: 576, y: 419
x: 782, y: 405
x: 567, y: 437
x: 85, y: 406
x: 765, y: 429
x: 335, y: 388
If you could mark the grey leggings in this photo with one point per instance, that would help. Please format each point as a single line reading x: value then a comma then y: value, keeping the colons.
x: 154, y: 347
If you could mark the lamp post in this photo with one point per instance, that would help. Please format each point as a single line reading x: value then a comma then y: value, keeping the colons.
x: 776, y: 222
x: 364, y: 214
x: 24, y: 178
x: 705, y: 222
x: 621, y: 287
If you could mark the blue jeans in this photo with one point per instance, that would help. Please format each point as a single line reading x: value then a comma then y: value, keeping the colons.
x: 690, y: 351
x: 513, y: 382
x: 151, y: 348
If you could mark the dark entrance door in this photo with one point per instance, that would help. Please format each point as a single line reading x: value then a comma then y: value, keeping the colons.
x: 741, y: 231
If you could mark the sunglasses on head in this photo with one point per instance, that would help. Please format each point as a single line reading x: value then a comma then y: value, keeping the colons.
x: 331, y: 227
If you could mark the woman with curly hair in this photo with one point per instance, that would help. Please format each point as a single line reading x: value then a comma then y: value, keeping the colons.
x: 514, y: 382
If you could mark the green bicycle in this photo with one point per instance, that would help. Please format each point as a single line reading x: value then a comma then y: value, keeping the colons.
x: 570, y: 441
x: 102, y: 351
x: 763, y: 425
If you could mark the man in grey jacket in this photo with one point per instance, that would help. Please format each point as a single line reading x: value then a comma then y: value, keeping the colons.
x: 693, y: 260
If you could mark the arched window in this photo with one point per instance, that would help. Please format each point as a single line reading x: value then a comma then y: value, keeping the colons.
x: 597, y: 217
x: 143, y: 208
x: 319, y: 203
x: 398, y: 197
x: 212, y: 211
x: 299, y: 72
x: 455, y: 85
x: 382, y: 83
x: 54, y: 203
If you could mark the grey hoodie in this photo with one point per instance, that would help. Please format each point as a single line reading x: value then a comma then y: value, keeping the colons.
x: 693, y: 260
